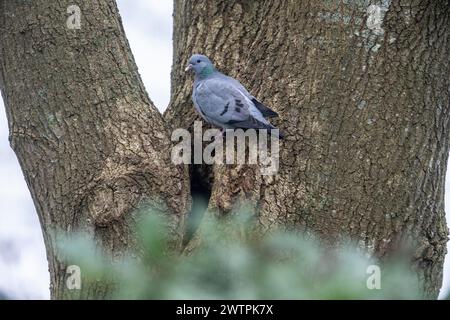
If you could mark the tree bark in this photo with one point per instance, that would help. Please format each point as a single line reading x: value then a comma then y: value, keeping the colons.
x: 361, y: 87
x: 364, y: 105
x: 92, y: 146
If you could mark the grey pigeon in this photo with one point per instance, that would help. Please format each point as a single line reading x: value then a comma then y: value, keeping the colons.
x: 223, y: 101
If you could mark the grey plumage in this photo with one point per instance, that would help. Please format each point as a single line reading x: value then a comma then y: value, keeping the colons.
x: 224, y: 101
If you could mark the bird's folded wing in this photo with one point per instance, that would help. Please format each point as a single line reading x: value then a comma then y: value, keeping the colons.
x: 265, y: 111
x: 222, y: 102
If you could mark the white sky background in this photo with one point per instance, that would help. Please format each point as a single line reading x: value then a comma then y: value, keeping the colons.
x: 23, y: 264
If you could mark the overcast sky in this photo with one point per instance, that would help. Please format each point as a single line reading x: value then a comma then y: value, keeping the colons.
x: 23, y: 264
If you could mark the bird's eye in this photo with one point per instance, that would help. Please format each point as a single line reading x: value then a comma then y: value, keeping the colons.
x: 198, y: 61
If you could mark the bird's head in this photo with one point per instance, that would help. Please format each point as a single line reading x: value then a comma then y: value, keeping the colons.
x: 201, y: 65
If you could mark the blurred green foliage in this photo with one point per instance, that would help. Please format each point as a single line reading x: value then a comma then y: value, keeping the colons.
x: 232, y: 263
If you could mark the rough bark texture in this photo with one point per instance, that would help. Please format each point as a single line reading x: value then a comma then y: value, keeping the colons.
x: 364, y: 107
x: 91, y: 144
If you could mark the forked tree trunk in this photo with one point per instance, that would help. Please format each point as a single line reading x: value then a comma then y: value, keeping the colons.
x: 362, y: 90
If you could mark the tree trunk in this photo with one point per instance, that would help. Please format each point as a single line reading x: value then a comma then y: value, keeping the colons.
x: 90, y: 143
x: 361, y: 87
x: 363, y: 103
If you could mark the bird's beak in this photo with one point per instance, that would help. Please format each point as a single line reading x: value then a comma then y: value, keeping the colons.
x: 189, y: 67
